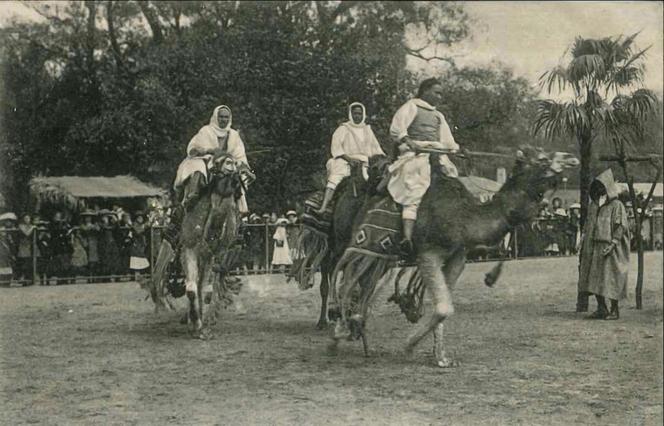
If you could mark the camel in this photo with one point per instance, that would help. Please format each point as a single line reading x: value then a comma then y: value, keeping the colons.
x: 323, y: 250
x: 449, y: 223
x: 207, y: 246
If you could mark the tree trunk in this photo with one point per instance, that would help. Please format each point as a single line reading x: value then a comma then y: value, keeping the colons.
x: 90, y: 37
x: 639, y: 274
x: 585, y: 177
x: 153, y: 21
x: 639, y: 239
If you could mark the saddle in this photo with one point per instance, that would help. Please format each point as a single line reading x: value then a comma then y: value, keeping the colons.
x: 378, y: 176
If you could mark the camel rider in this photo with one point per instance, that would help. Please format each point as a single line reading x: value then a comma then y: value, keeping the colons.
x: 353, y: 142
x: 211, y: 139
x: 418, y: 125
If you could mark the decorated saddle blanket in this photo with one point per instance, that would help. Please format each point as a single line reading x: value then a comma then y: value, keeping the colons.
x: 311, y: 218
x: 380, y: 231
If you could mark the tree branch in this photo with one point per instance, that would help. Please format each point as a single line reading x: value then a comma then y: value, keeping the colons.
x: 418, y: 54
x: 115, y: 47
x: 153, y: 21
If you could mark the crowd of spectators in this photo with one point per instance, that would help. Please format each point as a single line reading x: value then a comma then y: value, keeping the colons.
x: 113, y: 245
x: 101, y: 245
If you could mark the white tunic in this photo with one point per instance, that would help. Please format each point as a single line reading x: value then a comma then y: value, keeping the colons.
x: 411, y: 173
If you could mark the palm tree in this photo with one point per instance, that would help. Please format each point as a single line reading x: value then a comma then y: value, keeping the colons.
x: 598, y: 69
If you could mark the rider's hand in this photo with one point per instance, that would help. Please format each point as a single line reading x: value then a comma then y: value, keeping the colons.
x: 608, y: 249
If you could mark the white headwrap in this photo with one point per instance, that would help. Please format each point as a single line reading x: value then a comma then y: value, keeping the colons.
x: 214, y: 120
x: 350, y: 115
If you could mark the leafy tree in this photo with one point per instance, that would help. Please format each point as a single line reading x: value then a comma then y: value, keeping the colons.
x: 120, y: 87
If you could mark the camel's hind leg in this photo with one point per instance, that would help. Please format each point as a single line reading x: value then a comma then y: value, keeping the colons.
x: 452, y: 271
x: 430, y: 263
x: 190, y: 266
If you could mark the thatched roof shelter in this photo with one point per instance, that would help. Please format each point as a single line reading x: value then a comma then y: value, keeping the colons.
x: 70, y: 191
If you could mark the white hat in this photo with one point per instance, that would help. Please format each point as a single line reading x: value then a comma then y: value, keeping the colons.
x: 282, y: 221
x: 575, y: 206
x: 8, y: 216
x: 291, y: 213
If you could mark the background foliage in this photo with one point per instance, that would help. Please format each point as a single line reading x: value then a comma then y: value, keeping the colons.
x: 107, y: 88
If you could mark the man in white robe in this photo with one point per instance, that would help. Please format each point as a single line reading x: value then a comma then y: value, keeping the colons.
x: 213, y: 138
x: 352, y: 142
x: 418, y: 126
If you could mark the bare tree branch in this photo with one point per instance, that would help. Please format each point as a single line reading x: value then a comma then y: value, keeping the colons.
x: 115, y: 47
x: 435, y: 57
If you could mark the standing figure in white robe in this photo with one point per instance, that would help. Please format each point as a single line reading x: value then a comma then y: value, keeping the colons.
x: 213, y: 138
x: 418, y: 125
x: 353, y: 142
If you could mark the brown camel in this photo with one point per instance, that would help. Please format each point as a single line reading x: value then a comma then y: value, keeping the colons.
x: 207, y: 245
x: 323, y: 250
x: 449, y: 223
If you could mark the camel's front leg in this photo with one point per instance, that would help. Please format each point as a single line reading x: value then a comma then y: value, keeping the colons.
x: 324, y: 293
x: 430, y: 263
x: 190, y: 266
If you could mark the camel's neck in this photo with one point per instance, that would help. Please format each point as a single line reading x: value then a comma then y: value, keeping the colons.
x: 493, y: 220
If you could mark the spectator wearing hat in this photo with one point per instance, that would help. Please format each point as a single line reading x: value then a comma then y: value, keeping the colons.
x: 42, y: 250
x: 60, y: 243
x: 7, y: 225
x: 90, y: 231
x: 109, y: 251
x: 281, y: 254
x: 124, y: 238
x: 293, y: 230
x: 573, y: 233
x: 254, y: 235
x: 138, y: 261
x: 79, y: 256
x: 25, y: 250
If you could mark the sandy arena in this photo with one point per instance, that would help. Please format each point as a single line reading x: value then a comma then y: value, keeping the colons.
x: 97, y: 354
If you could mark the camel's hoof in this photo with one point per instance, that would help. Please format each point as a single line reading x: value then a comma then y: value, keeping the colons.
x: 334, y: 313
x: 332, y: 348
x: 185, y: 319
x: 204, y: 334
x: 341, y: 332
x: 408, y: 351
x: 447, y: 363
x: 322, y: 325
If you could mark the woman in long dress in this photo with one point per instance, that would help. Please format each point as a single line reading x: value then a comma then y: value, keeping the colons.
x: 138, y: 261
x: 281, y: 255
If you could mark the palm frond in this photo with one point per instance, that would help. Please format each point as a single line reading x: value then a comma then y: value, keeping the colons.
x: 641, y: 103
x: 554, y: 118
x: 586, y: 46
x: 587, y: 67
x: 556, y: 76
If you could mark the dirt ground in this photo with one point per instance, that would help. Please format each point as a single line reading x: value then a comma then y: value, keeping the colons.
x: 97, y: 354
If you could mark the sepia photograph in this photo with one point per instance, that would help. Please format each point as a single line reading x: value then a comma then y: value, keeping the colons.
x: 331, y: 212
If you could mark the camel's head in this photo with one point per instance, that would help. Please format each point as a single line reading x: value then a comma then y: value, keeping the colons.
x: 536, y: 171
x: 223, y: 164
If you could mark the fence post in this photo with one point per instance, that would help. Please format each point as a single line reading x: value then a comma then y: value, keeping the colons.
x: 516, y: 243
x: 267, y: 250
x: 35, y: 277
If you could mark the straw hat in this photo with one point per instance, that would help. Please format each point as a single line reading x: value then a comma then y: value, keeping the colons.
x: 88, y: 213
x: 282, y: 221
x: 291, y: 213
x: 575, y: 206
